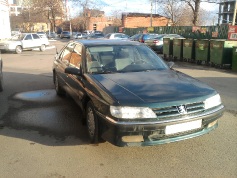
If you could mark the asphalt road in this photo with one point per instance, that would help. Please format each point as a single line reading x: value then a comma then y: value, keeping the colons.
x: 41, y: 134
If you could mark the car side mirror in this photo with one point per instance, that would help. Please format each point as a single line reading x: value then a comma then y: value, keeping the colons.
x: 72, y: 70
x: 170, y: 64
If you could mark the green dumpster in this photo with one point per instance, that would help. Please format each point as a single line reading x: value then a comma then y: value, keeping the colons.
x: 189, y: 50
x: 234, y: 59
x: 202, y: 51
x: 178, y: 48
x: 221, y: 52
x: 167, y: 48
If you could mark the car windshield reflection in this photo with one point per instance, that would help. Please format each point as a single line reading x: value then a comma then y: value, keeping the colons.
x: 113, y: 59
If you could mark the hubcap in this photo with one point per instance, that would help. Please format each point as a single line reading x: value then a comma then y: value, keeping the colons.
x: 91, y: 122
x: 18, y: 49
x: 42, y: 47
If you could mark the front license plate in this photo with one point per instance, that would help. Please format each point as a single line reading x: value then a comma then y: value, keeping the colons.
x: 176, y: 128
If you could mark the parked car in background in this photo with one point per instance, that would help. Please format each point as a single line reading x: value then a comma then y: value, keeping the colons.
x: 79, y: 35
x: 52, y: 35
x: 87, y: 32
x: 42, y: 34
x: 135, y: 37
x: 117, y: 36
x: 157, y: 43
x: 129, y: 96
x: 24, y: 41
x: 143, y: 37
x: 1, y: 75
x: 65, y: 34
x: 94, y: 36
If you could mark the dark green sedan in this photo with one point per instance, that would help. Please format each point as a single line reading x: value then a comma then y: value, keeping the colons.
x: 1, y: 75
x: 129, y: 96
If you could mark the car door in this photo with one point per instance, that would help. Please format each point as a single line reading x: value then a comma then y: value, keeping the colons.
x: 37, y: 42
x: 76, y: 82
x: 61, y: 62
x: 27, y: 41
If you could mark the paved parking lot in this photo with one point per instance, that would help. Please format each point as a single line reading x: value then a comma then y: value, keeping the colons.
x: 41, y: 134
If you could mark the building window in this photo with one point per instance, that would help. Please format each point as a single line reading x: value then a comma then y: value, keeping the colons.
x: 94, y: 27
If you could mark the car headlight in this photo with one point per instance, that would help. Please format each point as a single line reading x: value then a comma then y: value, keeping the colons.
x: 212, y: 101
x: 6, y: 45
x: 131, y: 112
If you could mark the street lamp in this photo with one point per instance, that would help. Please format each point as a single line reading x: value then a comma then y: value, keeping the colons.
x: 49, y: 25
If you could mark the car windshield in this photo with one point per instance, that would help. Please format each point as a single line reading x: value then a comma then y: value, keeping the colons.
x: 18, y: 37
x: 130, y: 58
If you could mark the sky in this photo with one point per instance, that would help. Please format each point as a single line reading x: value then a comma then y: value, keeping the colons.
x: 142, y: 6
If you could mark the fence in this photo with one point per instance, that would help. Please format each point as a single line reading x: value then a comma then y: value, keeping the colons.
x: 201, y: 32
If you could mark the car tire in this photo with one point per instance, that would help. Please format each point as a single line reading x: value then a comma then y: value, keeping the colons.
x: 59, y: 90
x: 1, y: 82
x: 18, y: 49
x: 42, y: 48
x: 92, y: 123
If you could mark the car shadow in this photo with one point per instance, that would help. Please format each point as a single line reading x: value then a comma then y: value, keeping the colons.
x: 32, y: 111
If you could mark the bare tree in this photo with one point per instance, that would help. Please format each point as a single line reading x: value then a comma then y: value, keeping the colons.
x: 50, y: 10
x: 172, y: 9
x: 184, y: 12
x: 195, y: 6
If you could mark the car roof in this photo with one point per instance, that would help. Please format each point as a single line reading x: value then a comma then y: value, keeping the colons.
x: 105, y: 42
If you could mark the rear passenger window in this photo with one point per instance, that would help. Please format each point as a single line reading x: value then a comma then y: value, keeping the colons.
x: 66, y: 53
x: 76, y: 56
x: 28, y: 37
x: 35, y: 36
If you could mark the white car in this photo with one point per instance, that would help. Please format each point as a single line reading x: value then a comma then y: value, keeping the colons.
x: 24, y: 41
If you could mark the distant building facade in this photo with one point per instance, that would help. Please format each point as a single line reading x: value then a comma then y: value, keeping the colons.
x: 136, y: 20
x: 226, y: 11
x: 97, y: 21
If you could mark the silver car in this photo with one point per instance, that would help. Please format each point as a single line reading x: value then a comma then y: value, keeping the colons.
x: 116, y: 36
x: 157, y: 43
x: 24, y: 41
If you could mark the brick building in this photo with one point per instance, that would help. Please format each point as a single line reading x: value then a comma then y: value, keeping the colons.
x: 136, y: 20
x: 97, y: 19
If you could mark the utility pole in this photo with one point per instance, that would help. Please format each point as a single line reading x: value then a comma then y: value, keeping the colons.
x: 234, y: 17
x: 151, y: 13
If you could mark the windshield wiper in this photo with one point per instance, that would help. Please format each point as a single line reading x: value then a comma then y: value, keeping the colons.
x: 106, y: 72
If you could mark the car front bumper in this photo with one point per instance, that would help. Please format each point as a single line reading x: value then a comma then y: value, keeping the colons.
x: 7, y: 48
x: 153, y: 133
x: 157, y: 48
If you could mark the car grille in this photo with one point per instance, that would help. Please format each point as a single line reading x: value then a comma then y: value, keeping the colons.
x: 161, y: 136
x: 172, y: 112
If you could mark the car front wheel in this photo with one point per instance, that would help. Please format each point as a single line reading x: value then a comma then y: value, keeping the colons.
x: 92, y: 123
x: 18, y: 49
x: 1, y: 82
x: 58, y: 88
x: 42, y: 48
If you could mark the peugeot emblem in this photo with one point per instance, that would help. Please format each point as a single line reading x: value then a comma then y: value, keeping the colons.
x: 182, y: 109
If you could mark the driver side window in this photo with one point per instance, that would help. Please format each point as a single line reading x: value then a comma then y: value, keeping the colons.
x: 66, y: 53
x: 28, y: 37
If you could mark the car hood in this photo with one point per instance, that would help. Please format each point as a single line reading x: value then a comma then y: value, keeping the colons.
x: 10, y: 42
x: 153, y: 87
